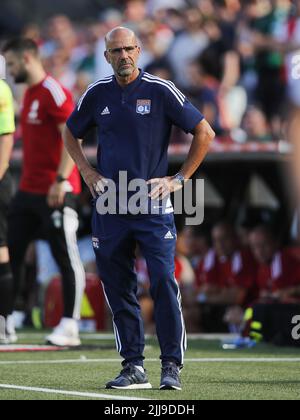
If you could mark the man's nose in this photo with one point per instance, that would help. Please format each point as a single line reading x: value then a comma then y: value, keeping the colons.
x: 124, y: 53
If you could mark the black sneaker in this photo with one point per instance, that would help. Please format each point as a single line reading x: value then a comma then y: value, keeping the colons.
x: 130, y: 378
x: 170, y: 379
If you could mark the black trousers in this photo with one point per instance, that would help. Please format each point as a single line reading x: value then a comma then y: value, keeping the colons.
x: 6, y: 193
x: 31, y: 218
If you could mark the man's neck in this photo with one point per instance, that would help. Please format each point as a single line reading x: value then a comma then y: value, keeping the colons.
x: 125, y: 81
x: 36, y: 77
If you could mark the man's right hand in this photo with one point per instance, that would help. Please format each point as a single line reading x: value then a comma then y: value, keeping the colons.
x: 94, y: 181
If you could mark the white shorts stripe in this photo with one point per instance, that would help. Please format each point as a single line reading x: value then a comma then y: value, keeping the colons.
x: 183, y: 342
x: 70, y: 228
x: 116, y: 332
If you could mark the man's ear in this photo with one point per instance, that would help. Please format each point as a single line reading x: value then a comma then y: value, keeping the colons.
x: 26, y: 57
x: 106, y: 55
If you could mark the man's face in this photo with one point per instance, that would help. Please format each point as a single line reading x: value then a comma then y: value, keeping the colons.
x: 16, y: 67
x: 223, y: 241
x: 263, y: 247
x: 123, y: 54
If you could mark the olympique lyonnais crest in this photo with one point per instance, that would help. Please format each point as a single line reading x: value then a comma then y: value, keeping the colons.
x: 143, y: 106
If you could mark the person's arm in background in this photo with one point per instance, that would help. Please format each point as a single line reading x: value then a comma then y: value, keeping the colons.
x: 92, y: 178
x: 59, y: 112
x: 232, y: 72
x: 57, y: 192
x: 7, y: 127
x: 6, y: 146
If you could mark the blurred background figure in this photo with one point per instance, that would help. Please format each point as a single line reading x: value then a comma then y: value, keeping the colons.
x: 278, y: 274
x: 225, y: 282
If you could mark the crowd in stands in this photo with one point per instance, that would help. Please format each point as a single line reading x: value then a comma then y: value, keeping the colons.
x: 232, y: 58
x: 220, y: 277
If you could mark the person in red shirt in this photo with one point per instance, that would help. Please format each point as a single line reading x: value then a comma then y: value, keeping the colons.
x: 278, y: 273
x: 225, y: 279
x: 227, y: 272
x: 45, y: 205
x: 278, y: 284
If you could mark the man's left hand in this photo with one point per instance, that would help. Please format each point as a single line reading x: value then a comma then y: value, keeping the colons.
x: 56, y: 195
x: 165, y: 186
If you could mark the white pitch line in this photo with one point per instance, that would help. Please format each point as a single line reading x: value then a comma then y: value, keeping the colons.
x: 70, y: 393
x: 204, y: 360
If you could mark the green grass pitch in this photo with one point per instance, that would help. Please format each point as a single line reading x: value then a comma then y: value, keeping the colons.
x: 211, y: 379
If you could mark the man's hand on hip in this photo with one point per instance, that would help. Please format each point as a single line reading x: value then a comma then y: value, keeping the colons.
x: 94, y: 181
x: 164, y: 187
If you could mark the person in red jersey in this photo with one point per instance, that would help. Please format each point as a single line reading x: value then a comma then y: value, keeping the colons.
x: 278, y: 273
x: 228, y: 272
x: 45, y: 205
x: 226, y: 279
x: 278, y: 282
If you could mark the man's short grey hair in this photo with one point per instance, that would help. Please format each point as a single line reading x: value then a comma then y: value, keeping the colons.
x: 109, y: 36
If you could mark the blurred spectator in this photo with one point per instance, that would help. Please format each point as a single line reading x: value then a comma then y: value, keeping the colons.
x: 187, y: 45
x: 256, y: 126
x: 288, y: 34
x: 156, y: 39
x: 156, y: 5
x: 203, y: 91
x: 278, y: 275
x: 185, y: 277
x: 226, y: 281
x: 200, y: 246
x: 109, y: 20
x: 228, y: 272
x: 278, y: 283
x: 271, y: 87
x: 134, y: 14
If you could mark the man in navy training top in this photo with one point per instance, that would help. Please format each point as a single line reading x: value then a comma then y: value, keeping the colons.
x: 134, y: 113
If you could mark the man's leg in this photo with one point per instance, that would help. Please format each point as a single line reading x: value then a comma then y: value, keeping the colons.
x: 157, y: 238
x: 6, y: 279
x: 115, y: 251
x: 62, y: 236
x: 22, y: 229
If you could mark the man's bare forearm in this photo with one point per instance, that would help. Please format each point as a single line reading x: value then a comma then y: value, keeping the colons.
x: 203, y: 137
x: 92, y: 178
x: 6, y: 145
x: 75, y: 150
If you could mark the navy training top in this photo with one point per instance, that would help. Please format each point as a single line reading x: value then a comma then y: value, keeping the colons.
x: 134, y: 124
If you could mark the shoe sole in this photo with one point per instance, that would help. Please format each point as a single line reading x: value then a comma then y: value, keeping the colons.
x: 170, y: 388
x: 131, y: 387
x: 60, y: 343
x: 12, y: 340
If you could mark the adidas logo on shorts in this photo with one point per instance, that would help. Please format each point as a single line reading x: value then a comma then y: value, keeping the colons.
x: 169, y: 235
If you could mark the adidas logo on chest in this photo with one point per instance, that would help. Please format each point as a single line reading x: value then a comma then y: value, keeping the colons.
x: 105, y: 111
